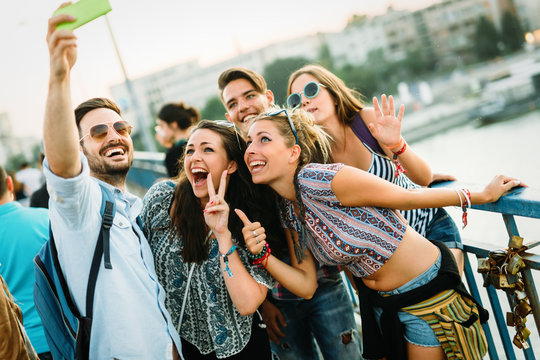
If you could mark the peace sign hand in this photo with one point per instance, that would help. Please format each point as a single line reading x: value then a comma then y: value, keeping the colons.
x: 254, y: 233
x: 216, y: 212
x: 387, y: 127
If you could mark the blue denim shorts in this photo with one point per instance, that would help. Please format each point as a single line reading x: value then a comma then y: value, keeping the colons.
x: 444, y: 229
x: 416, y: 330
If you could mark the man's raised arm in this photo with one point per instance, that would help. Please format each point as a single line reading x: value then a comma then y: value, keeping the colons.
x: 60, y: 134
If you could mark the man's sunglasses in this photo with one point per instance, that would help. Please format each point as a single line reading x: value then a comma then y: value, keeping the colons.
x: 293, y: 129
x: 99, y: 132
x: 311, y: 90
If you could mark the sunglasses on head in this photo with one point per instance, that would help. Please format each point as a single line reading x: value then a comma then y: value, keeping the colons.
x: 293, y: 129
x: 99, y: 132
x: 311, y: 90
x: 231, y: 126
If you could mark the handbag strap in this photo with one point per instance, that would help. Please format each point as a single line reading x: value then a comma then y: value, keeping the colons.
x: 186, y: 294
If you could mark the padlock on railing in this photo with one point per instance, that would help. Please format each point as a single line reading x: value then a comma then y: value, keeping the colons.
x: 520, y: 339
x: 523, y: 308
x: 484, y: 266
x: 516, y: 242
x: 503, y: 281
x: 515, y: 264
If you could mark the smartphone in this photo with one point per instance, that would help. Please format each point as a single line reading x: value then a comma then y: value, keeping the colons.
x: 83, y: 11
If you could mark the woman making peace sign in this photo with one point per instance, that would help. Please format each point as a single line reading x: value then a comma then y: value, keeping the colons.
x: 200, y: 257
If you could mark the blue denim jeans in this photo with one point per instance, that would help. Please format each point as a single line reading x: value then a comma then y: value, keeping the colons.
x: 444, y: 229
x: 328, y: 317
x: 416, y: 330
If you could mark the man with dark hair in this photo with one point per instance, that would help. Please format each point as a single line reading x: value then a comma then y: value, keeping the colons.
x: 23, y: 231
x: 173, y: 123
x: 294, y: 325
x: 244, y: 94
x: 129, y: 319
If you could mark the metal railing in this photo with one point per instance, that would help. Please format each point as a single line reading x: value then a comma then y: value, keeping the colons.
x: 525, y: 202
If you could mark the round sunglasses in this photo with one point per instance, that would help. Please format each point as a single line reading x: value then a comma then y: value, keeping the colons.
x: 311, y: 90
x: 99, y: 132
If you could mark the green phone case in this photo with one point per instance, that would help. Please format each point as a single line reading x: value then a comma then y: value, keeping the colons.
x: 84, y: 11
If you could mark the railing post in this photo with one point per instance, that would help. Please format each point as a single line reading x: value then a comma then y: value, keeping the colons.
x: 473, y: 288
x: 530, y: 289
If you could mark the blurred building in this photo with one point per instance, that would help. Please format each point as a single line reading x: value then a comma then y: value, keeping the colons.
x: 442, y: 34
x: 528, y: 12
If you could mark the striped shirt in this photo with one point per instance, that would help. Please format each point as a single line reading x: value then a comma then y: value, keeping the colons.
x: 385, y: 168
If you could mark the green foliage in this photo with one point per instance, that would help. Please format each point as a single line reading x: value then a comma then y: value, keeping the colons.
x: 487, y: 39
x: 277, y: 74
x: 213, y: 109
x: 360, y: 78
x: 512, y: 33
x: 325, y: 57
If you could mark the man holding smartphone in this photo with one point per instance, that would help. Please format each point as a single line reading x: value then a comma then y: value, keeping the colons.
x: 84, y: 151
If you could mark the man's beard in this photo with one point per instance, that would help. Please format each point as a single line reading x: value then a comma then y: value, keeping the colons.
x: 114, y: 174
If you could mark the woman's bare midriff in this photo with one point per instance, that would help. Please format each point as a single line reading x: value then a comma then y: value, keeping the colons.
x: 413, y: 257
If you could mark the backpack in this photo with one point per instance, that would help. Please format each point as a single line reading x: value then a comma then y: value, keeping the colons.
x: 66, y: 331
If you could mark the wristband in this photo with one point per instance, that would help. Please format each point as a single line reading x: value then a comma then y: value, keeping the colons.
x: 226, y: 259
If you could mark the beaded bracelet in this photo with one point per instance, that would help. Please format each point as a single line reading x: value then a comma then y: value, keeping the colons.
x: 259, y: 255
x: 226, y: 259
x: 263, y: 261
x: 399, y: 168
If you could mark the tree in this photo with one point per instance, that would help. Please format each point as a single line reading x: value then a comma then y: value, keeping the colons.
x: 325, y: 57
x: 360, y: 78
x: 213, y: 109
x: 487, y: 39
x: 277, y: 74
x: 512, y: 33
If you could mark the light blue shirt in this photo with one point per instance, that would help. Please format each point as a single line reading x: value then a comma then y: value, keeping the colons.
x: 130, y: 319
x: 23, y: 231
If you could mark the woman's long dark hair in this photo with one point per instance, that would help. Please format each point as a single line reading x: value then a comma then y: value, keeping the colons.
x: 257, y: 201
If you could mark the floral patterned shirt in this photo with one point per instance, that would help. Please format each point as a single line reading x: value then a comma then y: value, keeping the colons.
x: 210, y: 321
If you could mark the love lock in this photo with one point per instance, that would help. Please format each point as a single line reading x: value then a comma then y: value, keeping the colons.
x: 515, y: 264
x: 523, y: 309
x: 520, y: 342
x: 484, y: 266
x: 512, y: 319
x: 516, y: 242
x: 524, y: 333
x: 504, y: 281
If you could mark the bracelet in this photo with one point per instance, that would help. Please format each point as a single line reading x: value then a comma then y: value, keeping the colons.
x: 263, y: 260
x: 399, y: 168
x: 464, y: 204
x: 259, y: 255
x: 226, y: 259
x: 399, y: 143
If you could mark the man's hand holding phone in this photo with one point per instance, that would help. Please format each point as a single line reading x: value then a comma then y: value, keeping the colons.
x: 83, y: 11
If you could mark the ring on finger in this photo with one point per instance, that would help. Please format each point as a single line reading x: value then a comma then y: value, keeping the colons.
x: 258, y: 241
x: 255, y: 233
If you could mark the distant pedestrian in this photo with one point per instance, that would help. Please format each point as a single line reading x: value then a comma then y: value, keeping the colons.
x: 32, y: 178
x: 174, y: 121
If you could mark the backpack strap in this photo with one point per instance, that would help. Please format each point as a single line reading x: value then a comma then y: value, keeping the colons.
x: 102, y: 247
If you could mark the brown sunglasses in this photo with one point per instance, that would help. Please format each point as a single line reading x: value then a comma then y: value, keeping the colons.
x: 99, y: 132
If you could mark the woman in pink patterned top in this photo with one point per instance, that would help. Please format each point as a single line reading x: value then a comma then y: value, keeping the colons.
x: 343, y: 214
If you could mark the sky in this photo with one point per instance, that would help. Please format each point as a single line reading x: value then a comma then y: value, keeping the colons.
x: 151, y: 35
